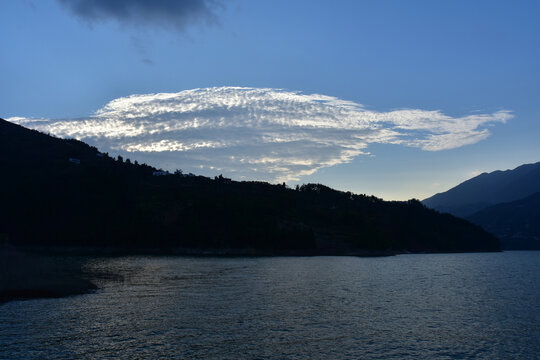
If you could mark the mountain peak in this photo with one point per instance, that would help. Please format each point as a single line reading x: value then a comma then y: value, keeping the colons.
x: 487, y: 189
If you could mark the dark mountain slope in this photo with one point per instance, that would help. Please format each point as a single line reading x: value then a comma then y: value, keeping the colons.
x: 487, y: 189
x: 64, y: 192
x: 516, y: 223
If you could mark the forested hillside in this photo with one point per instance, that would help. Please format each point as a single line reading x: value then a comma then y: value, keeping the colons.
x: 64, y: 192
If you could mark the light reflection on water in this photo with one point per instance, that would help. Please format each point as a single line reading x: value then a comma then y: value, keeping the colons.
x: 445, y: 306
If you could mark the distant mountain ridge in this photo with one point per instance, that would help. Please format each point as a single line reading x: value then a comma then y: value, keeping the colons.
x: 516, y: 223
x: 505, y: 203
x: 63, y: 192
x: 487, y: 189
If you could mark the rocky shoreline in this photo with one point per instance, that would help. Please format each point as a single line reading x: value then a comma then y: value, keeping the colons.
x: 25, y: 275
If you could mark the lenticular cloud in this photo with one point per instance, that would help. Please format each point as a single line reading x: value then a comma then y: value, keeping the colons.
x: 264, y: 134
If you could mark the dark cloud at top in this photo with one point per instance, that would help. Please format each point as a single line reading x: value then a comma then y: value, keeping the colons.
x: 171, y: 14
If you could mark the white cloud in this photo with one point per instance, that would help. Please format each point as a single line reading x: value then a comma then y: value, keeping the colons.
x: 254, y: 133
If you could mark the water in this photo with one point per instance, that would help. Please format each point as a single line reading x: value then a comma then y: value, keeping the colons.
x: 444, y: 306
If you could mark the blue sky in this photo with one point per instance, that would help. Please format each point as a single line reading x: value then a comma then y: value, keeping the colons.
x: 460, y: 59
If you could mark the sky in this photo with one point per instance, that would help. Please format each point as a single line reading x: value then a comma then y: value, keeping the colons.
x: 399, y: 99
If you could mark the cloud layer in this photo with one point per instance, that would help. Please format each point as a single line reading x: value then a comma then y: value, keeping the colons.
x: 172, y: 14
x: 254, y: 133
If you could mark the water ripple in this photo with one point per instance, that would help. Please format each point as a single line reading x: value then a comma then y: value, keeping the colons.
x: 451, y: 306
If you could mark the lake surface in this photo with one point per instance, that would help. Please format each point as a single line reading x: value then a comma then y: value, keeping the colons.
x: 444, y: 306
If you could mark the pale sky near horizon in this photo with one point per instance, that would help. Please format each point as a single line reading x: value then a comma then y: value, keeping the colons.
x: 399, y: 99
